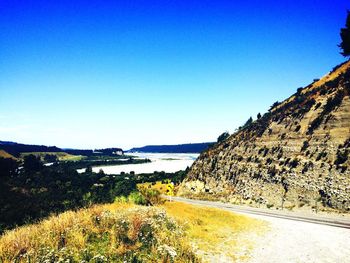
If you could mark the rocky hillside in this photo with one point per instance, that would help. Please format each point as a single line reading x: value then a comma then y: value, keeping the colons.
x: 295, y: 155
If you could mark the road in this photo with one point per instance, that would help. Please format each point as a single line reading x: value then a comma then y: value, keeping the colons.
x: 292, y: 237
x: 314, y: 218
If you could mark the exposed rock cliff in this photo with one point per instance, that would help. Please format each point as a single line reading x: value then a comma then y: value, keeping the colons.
x: 296, y: 154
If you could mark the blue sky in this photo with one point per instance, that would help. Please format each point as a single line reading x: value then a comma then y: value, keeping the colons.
x: 89, y: 74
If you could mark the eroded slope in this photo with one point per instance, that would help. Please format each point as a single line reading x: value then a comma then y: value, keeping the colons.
x: 294, y: 155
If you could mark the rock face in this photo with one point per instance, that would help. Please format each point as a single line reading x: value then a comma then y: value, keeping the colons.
x: 296, y: 154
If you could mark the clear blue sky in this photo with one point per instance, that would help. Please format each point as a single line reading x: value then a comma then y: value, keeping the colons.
x: 128, y: 73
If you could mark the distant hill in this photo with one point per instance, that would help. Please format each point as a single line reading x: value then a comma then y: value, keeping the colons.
x: 179, y: 148
x: 16, y: 149
x: 295, y: 155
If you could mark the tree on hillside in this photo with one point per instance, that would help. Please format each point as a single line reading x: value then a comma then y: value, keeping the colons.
x: 345, y: 36
x: 258, y: 116
x: 248, y: 122
x: 223, y: 136
x: 32, y: 163
x: 275, y: 104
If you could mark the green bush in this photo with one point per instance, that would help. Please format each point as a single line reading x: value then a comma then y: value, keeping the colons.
x: 137, y: 198
x: 152, y: 196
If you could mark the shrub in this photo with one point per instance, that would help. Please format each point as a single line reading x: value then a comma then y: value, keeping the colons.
x: 223, y: 136
x: 274, y: 105
x: 137, y: 198
x: 305, y: 145
x: 151, y: 196
x: 294, y: 163
x: 331, y: 104
x: 342, y: 156
x: 248, y: 122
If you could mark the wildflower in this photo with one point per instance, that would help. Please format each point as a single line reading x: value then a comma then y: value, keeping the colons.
x: 167, y: 250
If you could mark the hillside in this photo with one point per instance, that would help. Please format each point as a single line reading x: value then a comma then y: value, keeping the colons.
x: 295, y: 155
x: 110, y: 233
x: 126, y: 232
x: 4, y: 154
x: 16, y: 149
x: 179, y: 148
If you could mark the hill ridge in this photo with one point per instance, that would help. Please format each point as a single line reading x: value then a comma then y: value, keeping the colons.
x: 173, y: 148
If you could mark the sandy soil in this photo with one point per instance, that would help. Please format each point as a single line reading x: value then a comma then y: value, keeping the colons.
x: 295, y: 241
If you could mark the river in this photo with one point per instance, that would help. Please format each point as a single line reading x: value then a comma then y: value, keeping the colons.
x: 167, y: 162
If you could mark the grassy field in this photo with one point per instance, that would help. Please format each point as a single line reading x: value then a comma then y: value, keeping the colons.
x: 216, y: 234
x: 62, y: 156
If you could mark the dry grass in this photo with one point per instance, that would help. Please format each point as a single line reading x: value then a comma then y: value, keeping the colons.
x: 50, y: 232
x: 216, y: 233
x: 123, y: 231
x: 328, y: 77
x: 106, y: 233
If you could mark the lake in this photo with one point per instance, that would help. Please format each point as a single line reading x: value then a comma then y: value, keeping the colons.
x: 167, y: 162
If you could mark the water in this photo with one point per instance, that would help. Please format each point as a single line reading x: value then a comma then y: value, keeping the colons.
x: 167, y: 162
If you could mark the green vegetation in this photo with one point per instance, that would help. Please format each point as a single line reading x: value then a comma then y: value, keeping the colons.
x: 223, y: 136
x: 51, y: 157
x: 37, y: 190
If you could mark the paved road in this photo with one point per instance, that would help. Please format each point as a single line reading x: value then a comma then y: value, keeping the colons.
x: 292, y: 237
x: 315, y: 219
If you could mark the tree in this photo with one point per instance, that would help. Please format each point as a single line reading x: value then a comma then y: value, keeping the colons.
x: 258, y: 116
x: 274, y: 105
x: 345, y: 36
x: 50, y: 158
x: 32, y: 163
x: 8, y: 167
x: 248, y: 122
x: 88, y: 169
x: 223, y: 136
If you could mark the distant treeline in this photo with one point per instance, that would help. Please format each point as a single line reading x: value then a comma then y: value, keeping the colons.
x: 180, y: 148
x: 17, y: 148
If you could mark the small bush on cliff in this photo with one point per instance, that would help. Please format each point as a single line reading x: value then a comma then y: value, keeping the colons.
x: 248, y: 122
x: 223, y: 136
x: 305, y: 145
x: 342, y: 157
